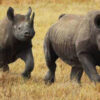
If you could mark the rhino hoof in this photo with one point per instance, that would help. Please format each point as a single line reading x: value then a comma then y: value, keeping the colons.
x: 49, y: 78
x: 48, y: 82
x: 26, y: 76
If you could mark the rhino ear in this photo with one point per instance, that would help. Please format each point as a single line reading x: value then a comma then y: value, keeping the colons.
x: 32, y: 19
x: 10, y: 13
x: 97, y: 21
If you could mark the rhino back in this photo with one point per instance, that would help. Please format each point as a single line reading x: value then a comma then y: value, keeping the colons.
x: 62, y: 37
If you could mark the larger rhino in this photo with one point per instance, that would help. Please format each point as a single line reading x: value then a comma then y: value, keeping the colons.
x: 76, y: 40
x: 16, y: 33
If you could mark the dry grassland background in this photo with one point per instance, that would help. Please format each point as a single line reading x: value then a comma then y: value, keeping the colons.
x: 14, y: 87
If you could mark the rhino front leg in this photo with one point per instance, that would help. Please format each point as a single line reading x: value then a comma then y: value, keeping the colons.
x: 76, y: 73
x: 29, y: 62
x: 89, y: 67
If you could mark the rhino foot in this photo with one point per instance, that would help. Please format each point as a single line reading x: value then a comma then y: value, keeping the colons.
x: 26, y: 76
x: 49, y: 78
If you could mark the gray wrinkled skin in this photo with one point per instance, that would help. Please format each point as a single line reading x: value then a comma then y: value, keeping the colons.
x: 76, y: 40
x: 16, y: 32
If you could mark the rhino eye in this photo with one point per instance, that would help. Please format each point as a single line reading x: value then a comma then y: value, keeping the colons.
x: 19, y: 28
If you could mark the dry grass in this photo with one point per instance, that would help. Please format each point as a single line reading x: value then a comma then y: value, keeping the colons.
x: 14, y: 87
x: 34, y: 1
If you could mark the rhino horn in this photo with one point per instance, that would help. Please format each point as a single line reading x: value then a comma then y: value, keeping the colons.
x: 28, y: 13
x: 32, y: 19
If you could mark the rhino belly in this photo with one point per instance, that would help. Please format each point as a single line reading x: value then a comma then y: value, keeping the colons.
x: 6, y: 57
x: 67, y: 53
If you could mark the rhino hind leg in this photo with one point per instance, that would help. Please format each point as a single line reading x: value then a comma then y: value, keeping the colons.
x: 5, y: 68
x: 50, y: 76
x: 76, y: 74
x: 50, y: 57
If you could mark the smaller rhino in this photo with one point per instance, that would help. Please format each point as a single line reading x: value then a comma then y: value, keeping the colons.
x: 16, y: 33
x: 76, y: 40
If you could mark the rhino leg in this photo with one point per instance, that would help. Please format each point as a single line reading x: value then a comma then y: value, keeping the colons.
x: 50, y: 57
x: 27, y: 57
x: 76, y: 73
x: 5, y: 68
x: 50, y: 76
x: 89, y: 67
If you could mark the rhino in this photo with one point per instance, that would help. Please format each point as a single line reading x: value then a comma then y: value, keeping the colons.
x: 16, y: 33
x: 75, y: 39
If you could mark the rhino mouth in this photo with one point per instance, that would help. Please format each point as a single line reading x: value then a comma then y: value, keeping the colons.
x: 27, y: 35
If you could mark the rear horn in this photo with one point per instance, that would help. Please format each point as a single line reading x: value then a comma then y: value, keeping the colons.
x: 28, y: 13
x: 32, y: 19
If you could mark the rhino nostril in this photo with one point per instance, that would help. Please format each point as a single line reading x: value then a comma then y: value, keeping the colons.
x: 27, y: 34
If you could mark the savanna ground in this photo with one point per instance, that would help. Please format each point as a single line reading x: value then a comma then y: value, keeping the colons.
x: 14, y: 87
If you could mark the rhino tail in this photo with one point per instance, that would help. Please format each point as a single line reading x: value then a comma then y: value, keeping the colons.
x: 61, y: 16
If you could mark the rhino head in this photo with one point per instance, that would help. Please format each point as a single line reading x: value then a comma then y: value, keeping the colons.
x: 22, y: 25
